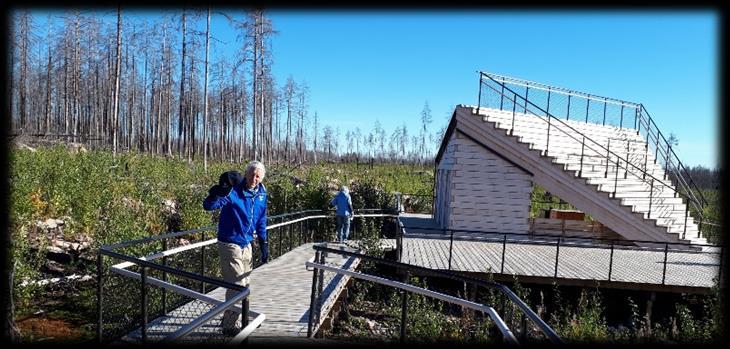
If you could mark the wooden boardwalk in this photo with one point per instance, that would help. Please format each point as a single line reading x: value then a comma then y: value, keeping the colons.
x: 524, y: 257
x: 280, y: 289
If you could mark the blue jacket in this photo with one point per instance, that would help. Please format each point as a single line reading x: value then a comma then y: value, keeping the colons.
x: 343, y: 203
x: 243, y: 211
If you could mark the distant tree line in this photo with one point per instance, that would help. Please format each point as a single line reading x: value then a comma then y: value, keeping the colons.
x: 148, y: 86
x: 705, y: 178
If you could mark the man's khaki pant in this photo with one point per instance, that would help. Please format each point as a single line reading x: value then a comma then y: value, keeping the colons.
x: 235, y: 267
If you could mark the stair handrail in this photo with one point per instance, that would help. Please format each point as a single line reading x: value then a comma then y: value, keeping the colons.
x: 682, y: 183
x: 603, y: 149
x: 642, y: 115
x: 698, y: 204
x: 549, y: 115
x: 679, y: 162
x: 546, y: 87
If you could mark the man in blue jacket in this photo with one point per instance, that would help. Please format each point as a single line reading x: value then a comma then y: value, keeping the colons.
x: 242, y: 220
x: 343, y: 202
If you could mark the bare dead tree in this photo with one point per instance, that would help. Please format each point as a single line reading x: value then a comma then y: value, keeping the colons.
x: 205, y: 97
x: 425, y: 121
x: 180, y: 123
x: 25, y: 24
x: 115, y: 117
x: 314, y: 148
x: 290, y: 90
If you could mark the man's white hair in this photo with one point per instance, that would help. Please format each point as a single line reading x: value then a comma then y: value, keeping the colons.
x: 344, y: 189
x: 256, y: 165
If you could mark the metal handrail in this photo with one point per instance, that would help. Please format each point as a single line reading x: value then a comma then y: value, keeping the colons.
x: 544, y: 327
x: 642, y: 117
x: 501, y: 325
x: 545, y: 87
x: 679, y: 162
x: 569, y: 134
x: 607, y: 241
x: 147, y: 262
x: 558, y: 240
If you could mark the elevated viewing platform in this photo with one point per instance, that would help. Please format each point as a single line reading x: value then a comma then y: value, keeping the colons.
x: 545, y: 258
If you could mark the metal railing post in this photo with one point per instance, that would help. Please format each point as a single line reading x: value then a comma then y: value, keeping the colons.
x: 306, y: 229
x: 244, y: 316
x: 451, y: 246
x: 99, y: 296
x: 604, y: 110
x: 202, y: 262
x: 501, y: 96
x: 615, y: 180
x: 399, y: 243
x: 557, y: 254
x: 567, y: 114
x: 628, y: 149
x: 289, y: 234
x: 646, y: 160
x: 313, y: 296
x: 278, y: 234
x: 637, y: 124
x: 320, y: 287
x: 651, y: 194
x: 164, y: 278
x: 664, y: 272
x: 648, y: 131
x: 719, y: 267
x: 582, y: 148
x: 666, y: 161
x: 504, y: 247
x: 479, y: 98
x: 547, y: 110
x: 588, y: 103
x: 621, y: 123
x: 686, y: 215
x: 608, y: 154
x: 527, y: 93
x: 610, y: 261
x: 404, y: 310
x: 547, y: 142
x: 514, y: 106
x: 143, y: 274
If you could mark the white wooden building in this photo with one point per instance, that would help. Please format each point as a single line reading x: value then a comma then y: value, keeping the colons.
x: 489, y: 160
x: 478, y: 189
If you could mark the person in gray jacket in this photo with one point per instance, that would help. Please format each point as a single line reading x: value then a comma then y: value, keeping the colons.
x: 343, y: 203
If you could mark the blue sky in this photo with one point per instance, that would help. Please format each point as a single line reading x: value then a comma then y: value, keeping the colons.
x: 383, y: 65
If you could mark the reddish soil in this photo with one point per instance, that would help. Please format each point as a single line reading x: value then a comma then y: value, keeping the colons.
x: 36, y: 329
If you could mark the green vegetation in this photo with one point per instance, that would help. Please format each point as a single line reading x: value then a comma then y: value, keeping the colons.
x: 111, y: 199
x: 367, y: 318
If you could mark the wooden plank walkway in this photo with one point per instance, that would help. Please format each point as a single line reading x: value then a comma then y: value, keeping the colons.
x: 280, y: 289
x: 523, y: 257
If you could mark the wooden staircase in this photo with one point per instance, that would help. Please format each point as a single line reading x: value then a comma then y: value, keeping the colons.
x: 637, y: 201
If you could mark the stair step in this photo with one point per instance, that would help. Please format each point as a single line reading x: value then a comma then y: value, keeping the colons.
x: 567, y: 148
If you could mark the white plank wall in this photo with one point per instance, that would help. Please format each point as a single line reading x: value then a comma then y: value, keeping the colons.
x: 485, y: 191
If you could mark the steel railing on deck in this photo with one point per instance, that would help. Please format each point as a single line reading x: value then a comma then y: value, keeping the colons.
x: 558, y: 240
x: 508, y: 335
x: 195, y: 268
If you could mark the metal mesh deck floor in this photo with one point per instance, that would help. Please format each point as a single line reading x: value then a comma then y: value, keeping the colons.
x: 632, y: 265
